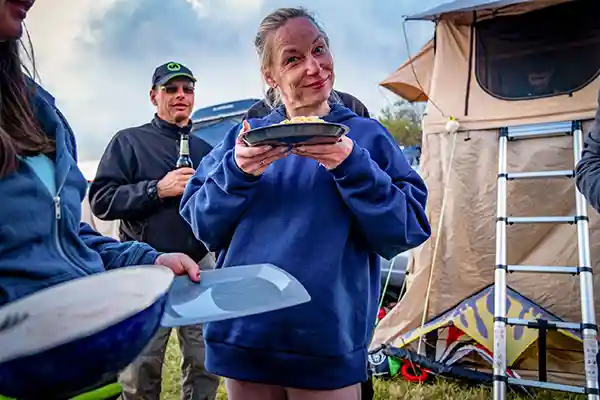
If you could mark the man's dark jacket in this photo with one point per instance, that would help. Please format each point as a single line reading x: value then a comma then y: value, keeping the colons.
x: 261, y: 109
x: 587, y: 172
x: 125, y: 187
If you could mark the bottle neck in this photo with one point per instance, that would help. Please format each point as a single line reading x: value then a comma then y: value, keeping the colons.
x: 184, y: 145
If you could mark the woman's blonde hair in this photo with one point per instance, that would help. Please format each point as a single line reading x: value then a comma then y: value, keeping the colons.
x: 262, y: 44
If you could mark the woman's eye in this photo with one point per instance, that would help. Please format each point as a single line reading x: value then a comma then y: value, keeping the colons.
x: 290, y: 60
x: 319, y: 49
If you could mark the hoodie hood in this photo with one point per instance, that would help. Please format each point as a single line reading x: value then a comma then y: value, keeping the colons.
x: 337, y: 114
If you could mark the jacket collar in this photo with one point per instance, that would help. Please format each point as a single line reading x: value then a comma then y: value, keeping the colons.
x: 55, y: 126
x: 279, y: 113
x: 170, y: 129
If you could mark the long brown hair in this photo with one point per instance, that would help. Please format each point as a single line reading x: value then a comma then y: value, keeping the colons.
x: 20, y: 133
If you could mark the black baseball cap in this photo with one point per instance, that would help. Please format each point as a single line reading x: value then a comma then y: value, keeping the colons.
x: 170, y: 70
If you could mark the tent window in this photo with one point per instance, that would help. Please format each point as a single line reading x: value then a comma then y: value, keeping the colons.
x: 543, y: 53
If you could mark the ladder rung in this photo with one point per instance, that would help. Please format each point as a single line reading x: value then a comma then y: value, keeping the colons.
x: 547, y: 385
x: 549, y: 324
x: 547, y: 269
x: 539, y: 130
x: 541, y: 220
x: 568, y: 173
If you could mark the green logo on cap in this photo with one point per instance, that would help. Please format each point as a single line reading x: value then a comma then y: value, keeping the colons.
x: 173, y: 66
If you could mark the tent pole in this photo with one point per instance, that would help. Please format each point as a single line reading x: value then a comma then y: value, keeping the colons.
x: 542, y: 349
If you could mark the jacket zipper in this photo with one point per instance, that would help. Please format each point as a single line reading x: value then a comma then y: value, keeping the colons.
x: 57, y: 217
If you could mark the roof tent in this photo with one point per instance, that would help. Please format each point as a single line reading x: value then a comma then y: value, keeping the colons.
x: 463, y: 6
x: 495, y: 65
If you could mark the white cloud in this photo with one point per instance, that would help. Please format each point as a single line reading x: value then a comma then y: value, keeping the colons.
x: 97, y: 56
x: 244, y: 5
x: 198, y: 6
x: 228, y: 9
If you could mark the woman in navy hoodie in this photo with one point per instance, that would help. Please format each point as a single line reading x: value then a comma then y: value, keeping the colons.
x: 325, y: 213
x: 42, y: 241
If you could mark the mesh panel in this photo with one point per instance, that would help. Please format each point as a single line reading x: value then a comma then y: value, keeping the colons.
x: 542, y: 53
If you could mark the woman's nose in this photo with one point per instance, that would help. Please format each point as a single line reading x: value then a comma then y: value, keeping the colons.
x: 313, y: 66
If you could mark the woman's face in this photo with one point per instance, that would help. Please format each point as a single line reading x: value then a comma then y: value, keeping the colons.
x: 301, y: 66
x: 12, y: 15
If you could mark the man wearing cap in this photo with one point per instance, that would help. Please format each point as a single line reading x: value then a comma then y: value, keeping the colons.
x: 138, y: 185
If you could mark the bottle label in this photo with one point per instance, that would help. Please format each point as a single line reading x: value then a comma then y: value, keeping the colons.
x: 184, y: 147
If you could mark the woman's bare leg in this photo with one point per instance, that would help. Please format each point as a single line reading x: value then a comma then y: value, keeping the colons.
x: 240, y: 390
x: 348, y: 393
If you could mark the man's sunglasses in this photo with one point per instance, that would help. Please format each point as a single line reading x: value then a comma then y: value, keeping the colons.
x: 172, y: 89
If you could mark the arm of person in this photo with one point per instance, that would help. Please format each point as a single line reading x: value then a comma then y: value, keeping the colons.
x: 386, y: 195
x: 114, y: 254
x: 117, y: 254
x: 587, y: 171
x: 113, y: 194
x: 217, y: 195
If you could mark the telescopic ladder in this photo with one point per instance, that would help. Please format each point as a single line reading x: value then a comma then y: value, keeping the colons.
x: 587, y: 326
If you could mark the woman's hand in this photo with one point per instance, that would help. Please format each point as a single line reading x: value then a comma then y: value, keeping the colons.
x: 255, y: 160
x: 180, y: 264
x: 328, y: 155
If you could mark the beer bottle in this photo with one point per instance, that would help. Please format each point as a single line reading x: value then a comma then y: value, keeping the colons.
x: 184, y: 160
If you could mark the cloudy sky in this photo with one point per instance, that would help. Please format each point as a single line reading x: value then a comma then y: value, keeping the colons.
x: 97, y: 56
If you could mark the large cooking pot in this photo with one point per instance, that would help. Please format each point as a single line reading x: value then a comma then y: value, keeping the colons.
x: 79, y: 335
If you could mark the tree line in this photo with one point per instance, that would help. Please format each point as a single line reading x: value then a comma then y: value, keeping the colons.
x: 403, y: 120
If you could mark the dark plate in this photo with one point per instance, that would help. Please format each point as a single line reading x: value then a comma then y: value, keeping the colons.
x: 299, y: 133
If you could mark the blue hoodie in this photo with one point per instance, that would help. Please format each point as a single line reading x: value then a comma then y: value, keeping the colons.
x: 327, y: 228
x: 42, y: 239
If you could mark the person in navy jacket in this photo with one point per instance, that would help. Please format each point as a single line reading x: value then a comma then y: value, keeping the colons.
x: 324, y: 213
x: 587, y: 172
x: 42, y: 239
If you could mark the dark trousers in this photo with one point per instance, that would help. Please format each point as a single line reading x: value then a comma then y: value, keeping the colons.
x: 367, y: 389
x: 142, y: 379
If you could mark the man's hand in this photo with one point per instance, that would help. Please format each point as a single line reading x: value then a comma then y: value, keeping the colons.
x: 255, y: 160
x: 180, y: 264
x: 329, y: 155
x: 173, y: 183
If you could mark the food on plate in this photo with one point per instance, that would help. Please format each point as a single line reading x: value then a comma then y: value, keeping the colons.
x: 301, y: 120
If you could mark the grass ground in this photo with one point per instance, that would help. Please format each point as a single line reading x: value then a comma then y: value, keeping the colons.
x: 394, y: 389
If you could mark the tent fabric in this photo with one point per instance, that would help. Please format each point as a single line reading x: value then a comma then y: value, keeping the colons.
x: 88, y: 169
x: 403, y: 81
x: 465, y: 260
x: 475, y: 317
x: 463, y: 12
x: 106, y: 228
x: 463, y: 6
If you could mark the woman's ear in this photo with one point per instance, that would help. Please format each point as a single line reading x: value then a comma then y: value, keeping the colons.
x: 269, y: 79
